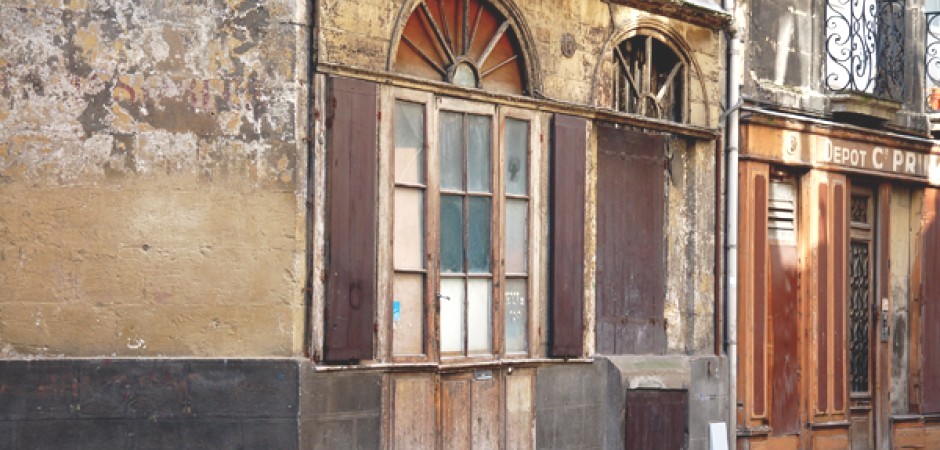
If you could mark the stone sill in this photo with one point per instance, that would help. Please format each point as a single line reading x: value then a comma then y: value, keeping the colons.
x: 863, y: 105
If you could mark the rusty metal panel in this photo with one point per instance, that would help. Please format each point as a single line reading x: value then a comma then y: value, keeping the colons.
x: 784, y: 311
x: 930, y: 379
x: 760, y: 293
x: 657, y: 419
x: 567, y: 251
x: 822, y: 294
x: 350, y: 303
x: 630, y: 242
x: 840, y: 226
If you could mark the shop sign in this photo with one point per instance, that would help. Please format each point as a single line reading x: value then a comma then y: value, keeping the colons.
x: 868, y: 157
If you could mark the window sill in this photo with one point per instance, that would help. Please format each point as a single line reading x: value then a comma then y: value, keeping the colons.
x: 451, y: 366
x: 854, y: 107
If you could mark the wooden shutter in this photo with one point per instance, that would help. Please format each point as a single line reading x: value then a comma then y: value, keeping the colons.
x: 930, y: 341
x: 630, y: 242
x: 752, y: 290
x: 828, y: 228
x: 567, y: 252
x: 351, y: 176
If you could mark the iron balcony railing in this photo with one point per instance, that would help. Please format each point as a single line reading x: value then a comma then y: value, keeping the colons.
x: 932, y: 63
x: 865, y: 47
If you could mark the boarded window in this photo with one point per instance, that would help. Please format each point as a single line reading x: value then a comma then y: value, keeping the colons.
x: 630, y: 242
x: 350, y: 301
x: 568, y: 174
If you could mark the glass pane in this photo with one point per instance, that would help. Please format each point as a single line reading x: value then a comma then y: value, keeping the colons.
x: 516, y: 315
x: 409, y: 142
x: 479, y: 317
x: 478, y: 241
x: 452, y: 234
x: 478, y: 156
x: 408, y: 314
x: 451, y: 151
x: 409, y: 229
x: 517, y: 245
x: 517, y: 146
x: 452, y: 314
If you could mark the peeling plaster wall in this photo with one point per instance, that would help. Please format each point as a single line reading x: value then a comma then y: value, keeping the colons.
x: 360, y: 34
x: 152, y: 171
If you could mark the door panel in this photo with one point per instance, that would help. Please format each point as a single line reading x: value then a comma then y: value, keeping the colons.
x: 630, y: 244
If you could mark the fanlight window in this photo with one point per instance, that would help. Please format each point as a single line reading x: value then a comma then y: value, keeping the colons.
x: 650, y: 79
x: 465, y: 42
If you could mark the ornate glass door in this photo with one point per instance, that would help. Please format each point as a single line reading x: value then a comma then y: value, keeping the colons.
x: 860, y: 321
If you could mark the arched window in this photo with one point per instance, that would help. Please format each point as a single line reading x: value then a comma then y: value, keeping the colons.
x: 465, y: 42
x: 650, y: 80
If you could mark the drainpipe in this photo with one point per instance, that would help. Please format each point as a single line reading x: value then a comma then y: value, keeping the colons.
x: 731, y: 195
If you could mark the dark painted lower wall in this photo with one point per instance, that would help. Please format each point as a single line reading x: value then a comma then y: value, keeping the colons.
x: 97, y: 404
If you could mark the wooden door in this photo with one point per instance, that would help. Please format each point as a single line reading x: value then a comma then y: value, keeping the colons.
x: 630, y: 242
x: 862, y: 319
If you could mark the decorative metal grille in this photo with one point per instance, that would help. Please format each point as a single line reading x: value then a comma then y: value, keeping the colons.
x: 860, y: 209
x: 932, y: 47
x: 650, y: 79
x: 859, y: 290
x: 865, y: 47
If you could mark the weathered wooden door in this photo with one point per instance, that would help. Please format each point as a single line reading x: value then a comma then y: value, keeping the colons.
x: 862, y: 319
x: 630, y: 249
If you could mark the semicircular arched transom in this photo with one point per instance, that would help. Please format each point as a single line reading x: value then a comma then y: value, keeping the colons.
x: 650, y: 79
x: 464, y: 42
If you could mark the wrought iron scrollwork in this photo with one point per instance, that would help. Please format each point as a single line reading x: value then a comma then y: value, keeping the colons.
x: 932, y: 47
x: 859, y: 291
x: 865, y: 47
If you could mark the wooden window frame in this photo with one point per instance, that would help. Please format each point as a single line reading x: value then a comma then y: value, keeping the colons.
x: 434, y: 105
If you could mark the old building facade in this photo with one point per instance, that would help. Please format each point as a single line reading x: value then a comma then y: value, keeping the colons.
x: 837, y: 289
x: 334, y: 224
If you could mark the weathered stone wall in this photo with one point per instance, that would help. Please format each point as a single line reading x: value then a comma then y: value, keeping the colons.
x: 152, y: 171
x: 361, y: 35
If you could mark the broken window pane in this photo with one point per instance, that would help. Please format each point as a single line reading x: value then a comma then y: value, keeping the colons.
x: 516, y: 315
x: 408, y: 314
x: 517, y: 224
x: 452, y: 234
x: 409, y: 142
x: 452, y: 315
x: 409, y: 229
x: 451, y: 151
x: 478, y: 240
x: 479, y: 310
x: 517, y: 138
x: 478, y: 153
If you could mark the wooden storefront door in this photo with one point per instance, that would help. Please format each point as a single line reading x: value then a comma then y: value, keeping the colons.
x: 863, y: 319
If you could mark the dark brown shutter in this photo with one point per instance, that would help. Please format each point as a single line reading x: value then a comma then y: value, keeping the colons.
x: 630, y: 242
x: 930, y: 360
x: 351, y: 175
x: 568, y: 200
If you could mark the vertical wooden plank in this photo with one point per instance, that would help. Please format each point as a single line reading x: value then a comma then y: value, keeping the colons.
x: 520, y: 408
x: 413, y: 412
x: 455, y: 412
x: 630, y: 242
x: 351, y: 297
x: 567, y: 252
x: 930, y: 342
x: 883, y: 355
x: 760, y: 292
x: 785, y: 401
x: 656, y: 419
x: 840, y: 227
x: 822, y: 295
x: 485, y: 412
